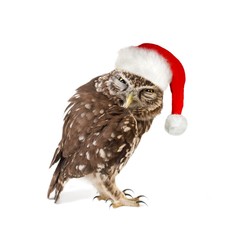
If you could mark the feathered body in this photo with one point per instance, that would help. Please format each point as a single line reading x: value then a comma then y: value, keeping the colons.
x: 104, y: 123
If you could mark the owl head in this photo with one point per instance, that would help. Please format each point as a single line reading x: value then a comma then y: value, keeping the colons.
x: 130, y: 91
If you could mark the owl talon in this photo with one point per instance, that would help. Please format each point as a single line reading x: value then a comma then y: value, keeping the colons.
x: 95, y: 197
x: 141, y: 202
x: 127, y: 189
x: 111, y: 205
x: 141, y: 196
x: 100, y: 197
x: 128, y: 195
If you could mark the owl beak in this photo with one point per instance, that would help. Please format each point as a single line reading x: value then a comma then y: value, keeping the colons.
x: 129, y: 100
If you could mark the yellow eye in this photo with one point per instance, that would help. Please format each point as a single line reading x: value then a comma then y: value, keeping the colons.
x: 149, y: 90
x: 122, y: 80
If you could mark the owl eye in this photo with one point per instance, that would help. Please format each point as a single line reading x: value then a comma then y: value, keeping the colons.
x: 122, y: 80
x: 148, y: 94
x: 120, y: 83
x: 149, y: 90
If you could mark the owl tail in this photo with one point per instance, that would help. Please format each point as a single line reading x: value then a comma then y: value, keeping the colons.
x: 57, y: 181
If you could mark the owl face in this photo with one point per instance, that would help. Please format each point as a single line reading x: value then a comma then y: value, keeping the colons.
x: 140, y: 96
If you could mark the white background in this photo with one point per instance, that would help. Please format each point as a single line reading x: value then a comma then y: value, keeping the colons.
x: 49, y: 48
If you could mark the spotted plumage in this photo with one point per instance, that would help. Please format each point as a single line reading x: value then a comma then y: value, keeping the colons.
x: 103, y: 125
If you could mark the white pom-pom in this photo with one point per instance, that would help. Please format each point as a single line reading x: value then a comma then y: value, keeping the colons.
x: 175, y: 124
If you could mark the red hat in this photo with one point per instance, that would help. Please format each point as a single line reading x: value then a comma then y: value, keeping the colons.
x: 161, y: 67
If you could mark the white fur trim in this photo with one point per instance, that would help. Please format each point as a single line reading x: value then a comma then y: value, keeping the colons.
x: 145, y: 63
x: 175, y: 124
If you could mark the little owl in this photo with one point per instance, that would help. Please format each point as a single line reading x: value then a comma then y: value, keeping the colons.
x: 107, y: 117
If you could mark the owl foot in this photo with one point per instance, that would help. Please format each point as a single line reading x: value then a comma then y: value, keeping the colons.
x: 132, y: 202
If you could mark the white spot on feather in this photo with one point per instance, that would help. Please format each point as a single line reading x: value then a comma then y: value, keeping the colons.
x: 94, y: 142
x: 71, y: 124
x: 113, y: 135
x: 125, y: 128
x: 87, y: 155
x: 81, y: 167
x: 121, y: 166
x: 101, y: 111
x: 81, y: 138
x: 102, y: 153
x: 121, y: 147
x: 87, y: 106
x: 83, y: 115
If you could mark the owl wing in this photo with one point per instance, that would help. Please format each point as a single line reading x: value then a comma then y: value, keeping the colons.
x: 80, y: 116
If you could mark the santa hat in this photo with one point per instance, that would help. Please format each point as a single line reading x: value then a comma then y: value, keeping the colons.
x: 161, y: 67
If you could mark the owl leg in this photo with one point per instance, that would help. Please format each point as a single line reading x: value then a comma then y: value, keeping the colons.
x: 97, y: 181
x: 108, y: 190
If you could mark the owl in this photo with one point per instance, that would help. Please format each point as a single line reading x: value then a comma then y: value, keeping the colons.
x: 106, y: 118
x: 103, y: 126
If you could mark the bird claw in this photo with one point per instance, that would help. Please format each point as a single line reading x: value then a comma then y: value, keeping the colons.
x: 95, y: 197
x: 128, y: 195
x: 141, y: 202
x: 141, y: 196
x: 132, y: 202
x: 99, y: 198
x: 127, y: 189
x: 111, y: 205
